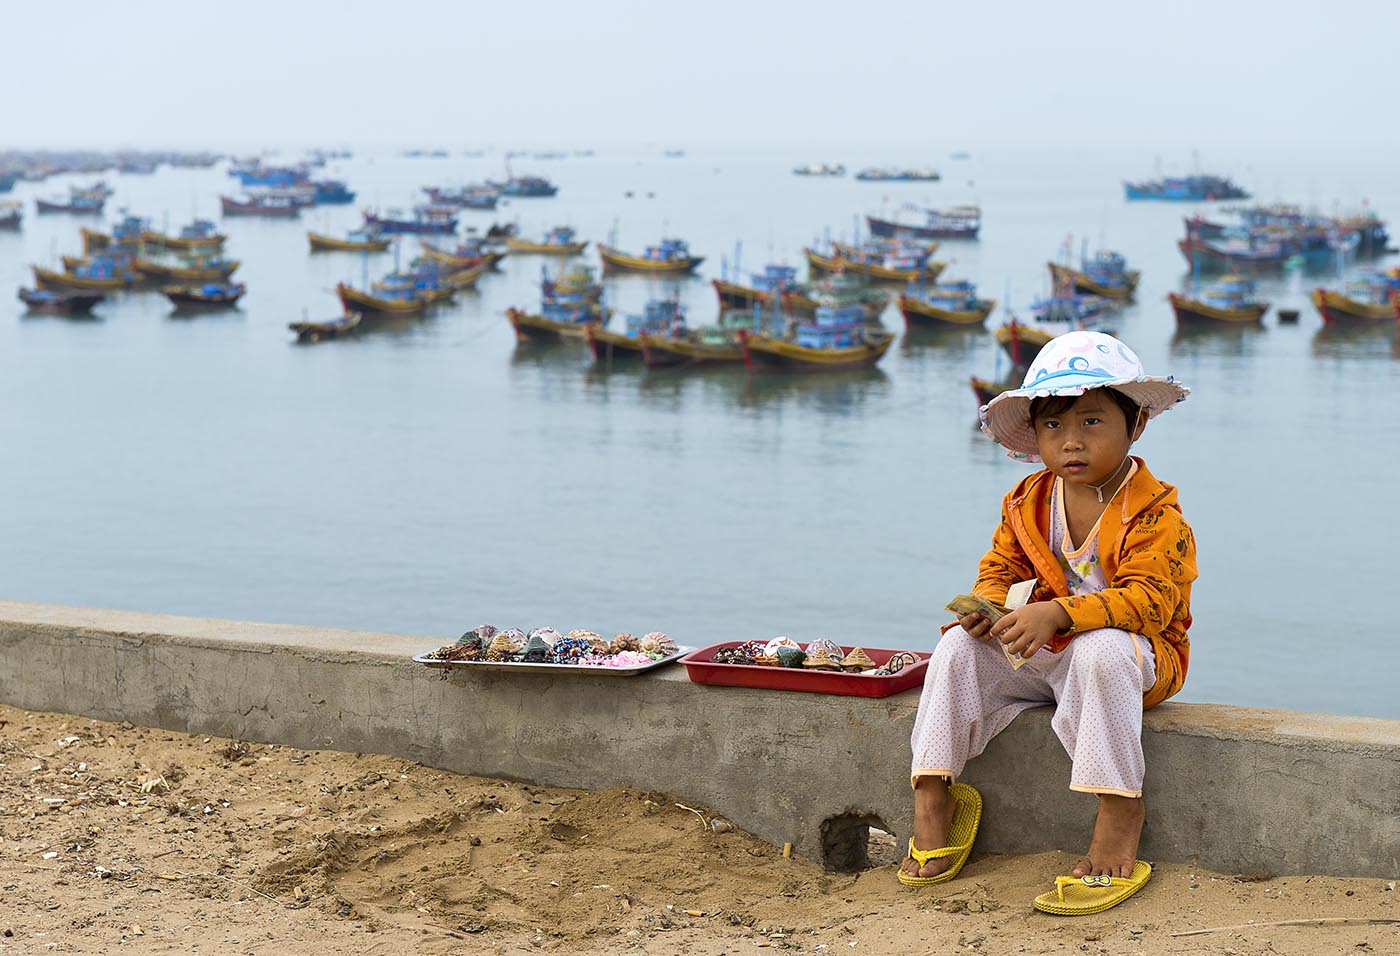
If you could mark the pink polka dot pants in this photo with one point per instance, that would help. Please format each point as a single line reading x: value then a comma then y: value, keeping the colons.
x: 971, y: 694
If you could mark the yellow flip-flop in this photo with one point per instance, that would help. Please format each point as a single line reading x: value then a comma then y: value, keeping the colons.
x: 1086, y: 895
x: 966, y: 815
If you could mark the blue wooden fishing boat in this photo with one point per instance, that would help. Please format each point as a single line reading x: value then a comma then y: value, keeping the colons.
x: 944, y: 304
x: 1197, y: 188
x: 332, y: 192
x: 835, y: 340
x: 662, y: 317
x: 891, y: 174
x: 527, y: 187
x: 1104, y: 273
x: 568, y: 305
x: 427, y: 220
x: 1230, y: 301
x: 473, y: 196
x: 775, y: 279
x: 956, y: 222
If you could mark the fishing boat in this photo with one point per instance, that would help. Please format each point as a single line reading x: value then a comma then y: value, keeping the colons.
x: 99, y: 274
x: 660, y: 317
x: 986, y: 390
x: 387, y: 302
x: 889, y: 174
x: 819, y: 169
x: 837, y: 340
x: 883, y: 260
x: 668, y: 257
x: 201, y: 235
x: 1077, y: 309
x: 356, y: 240
x: 193, y: 270
x: 478, y: 196
x: 130, y: 233
x: 210, y: 295
x: 426, y: 281
x: 1369, y: 297
x: 331, y: 192
x: 55, y: 302
x: 945, y: 304
x: 1231, y: 301
x: 11, y: 214
x: 275, y: 207
x: 568, y: 304
x: 1198, y: 188
x: 526, y: 187
x: 468, y: 254
x: 1251, y: 253
x: 315, y: 331
x: 426, y: 220
x: 957, y: 222
x: 1105, y: 273
x: 559, y: 241
x: 774, y: 279
x: 835, y: 291
x: 1021, y: 342
x: 717, y: 344
x: 82, y: 206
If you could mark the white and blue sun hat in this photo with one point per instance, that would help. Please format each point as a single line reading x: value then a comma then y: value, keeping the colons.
x: 1072, y: 364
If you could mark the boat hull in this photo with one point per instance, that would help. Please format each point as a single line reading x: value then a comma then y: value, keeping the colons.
x: 185, y: 243
x: 545, y: 248
x: 1213, y: 259
x: 1338, y: 309
x: 661, y: 351
x: 192, y: 297
x: 735, y: 296
x: 159, y: 272
x: 920, y: 314
x: 357, y: 300
x: 614, y: 261
x: 1021, y: 342
x: 824, y: 265
x: 316, y: 331
x: 889, y: 229
x: 50, y: 279
x: 1062, y: 277
x: 612, y: 346
x: 765, y: 354
x: 232, y: 207
x: 986, y: 390
x: 324, y: 243
x: 535, y: 328
x: 61, y: 303
x: 1193, y: 311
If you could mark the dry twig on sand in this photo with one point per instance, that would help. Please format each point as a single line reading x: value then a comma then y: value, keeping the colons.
x: 1317, y: 921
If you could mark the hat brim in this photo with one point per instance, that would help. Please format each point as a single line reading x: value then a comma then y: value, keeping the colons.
x: 1007, y: 418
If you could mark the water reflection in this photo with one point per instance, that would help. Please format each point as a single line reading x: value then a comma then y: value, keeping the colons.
x: 1357, y: 341
x: 840, y: 393
x: 1234, y: 341
x: 964, y: 340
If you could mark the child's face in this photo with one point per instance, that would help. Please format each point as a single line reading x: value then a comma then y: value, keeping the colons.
x: 1087, y: 443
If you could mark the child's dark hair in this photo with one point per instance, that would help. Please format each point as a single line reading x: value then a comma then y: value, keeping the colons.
x: 1052, y: 405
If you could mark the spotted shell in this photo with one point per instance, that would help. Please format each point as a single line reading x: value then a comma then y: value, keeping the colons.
x: 547, y: 634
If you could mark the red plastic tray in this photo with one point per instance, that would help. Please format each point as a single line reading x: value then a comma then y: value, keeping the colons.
x: 702, y: 670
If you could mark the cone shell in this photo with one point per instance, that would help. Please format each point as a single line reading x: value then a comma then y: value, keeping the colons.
x: 822, y: 661
x: 857, y: 661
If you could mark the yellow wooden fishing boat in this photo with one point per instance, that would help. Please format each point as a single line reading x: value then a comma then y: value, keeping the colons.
x: 986, y: 390
x: 52, y: 279
x: 212, y: 242
x: 94, y: 241
x: 465, y: 278
x: 1021, y: 342
x: 201, y: 270
x: 559, y: 241
x: 1338, y: 308
x: 1121, y: 289
x: 671, y: 257
x: 450, y: 261
x: 323, y: 243
x: 609, y: 346
x: 925, y: 313
x: 531, y: 327
x: 767, y: 353
x: 824, y: 264
x: 390, y: 303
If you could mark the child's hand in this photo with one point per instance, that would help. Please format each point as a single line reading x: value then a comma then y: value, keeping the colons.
x: 1026, y: 630
x: 976, y: 625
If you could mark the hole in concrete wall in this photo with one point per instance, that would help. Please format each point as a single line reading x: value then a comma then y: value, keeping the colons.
x: 852, y: 842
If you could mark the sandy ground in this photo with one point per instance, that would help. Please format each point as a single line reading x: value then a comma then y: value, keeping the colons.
x: 117, y: 837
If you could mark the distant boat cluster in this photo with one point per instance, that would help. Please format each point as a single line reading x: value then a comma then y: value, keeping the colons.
x: 871, y: 173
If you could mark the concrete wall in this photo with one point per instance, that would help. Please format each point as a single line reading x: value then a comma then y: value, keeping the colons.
x: 1236, y: 790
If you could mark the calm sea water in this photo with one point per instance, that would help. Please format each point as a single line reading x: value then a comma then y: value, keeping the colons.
x: 429, y: 474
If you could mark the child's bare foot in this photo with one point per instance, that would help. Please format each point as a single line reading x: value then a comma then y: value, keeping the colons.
x: 933, y: 816
x: 1117, y: 829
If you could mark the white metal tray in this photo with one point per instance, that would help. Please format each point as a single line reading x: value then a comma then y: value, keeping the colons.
x: 592, y: 669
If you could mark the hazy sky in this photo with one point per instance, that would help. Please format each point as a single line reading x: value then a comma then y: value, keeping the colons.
x: 458, y: 72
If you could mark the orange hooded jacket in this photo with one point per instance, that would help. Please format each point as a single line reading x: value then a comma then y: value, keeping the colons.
x: 1148, y: 556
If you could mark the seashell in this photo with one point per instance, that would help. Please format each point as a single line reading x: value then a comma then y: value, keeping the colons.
x: 767, y: 660
x: 536, y: 650
x: 900, y: 660
x: 624, y: 642
x: 857, y: 661
x: 547, y: 634
x: 485, y: 631
x: 494, y: 656
x: 791, y: 656
x: 589, y: 636
x: 511, y: 640
x: 471, y: 637
x: 822, y: 661
x: 731, y: 655
x: 443, y: 653
x: 657, y: 644
x: 772, y: 646
x: 828, y: 645
x: 752, y: 649
x: 570, y: 650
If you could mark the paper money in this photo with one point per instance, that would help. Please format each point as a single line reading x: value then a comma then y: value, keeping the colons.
x: 1016, y: 596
